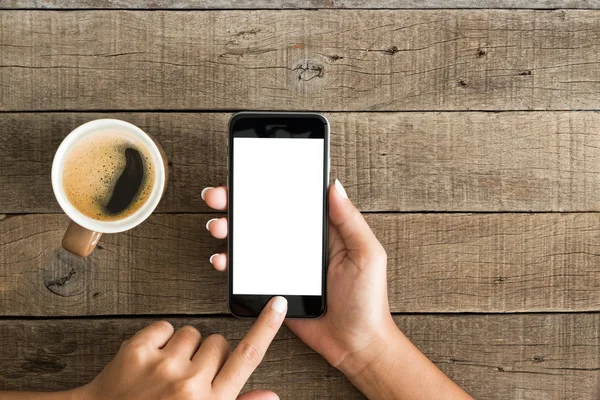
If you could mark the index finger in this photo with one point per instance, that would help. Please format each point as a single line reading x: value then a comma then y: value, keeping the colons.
x: 250, y: 351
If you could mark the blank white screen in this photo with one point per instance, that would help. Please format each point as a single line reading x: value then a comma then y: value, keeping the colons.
x: 278, y: 216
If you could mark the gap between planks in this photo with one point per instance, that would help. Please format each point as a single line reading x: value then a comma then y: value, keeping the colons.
x: 450, y: 314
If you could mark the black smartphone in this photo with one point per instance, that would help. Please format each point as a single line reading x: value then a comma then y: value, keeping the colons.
x: 278, y: 169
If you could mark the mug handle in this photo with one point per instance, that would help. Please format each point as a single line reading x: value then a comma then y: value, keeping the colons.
x: 79, y: 240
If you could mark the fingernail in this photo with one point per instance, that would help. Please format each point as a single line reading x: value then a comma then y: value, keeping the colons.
x: 279, y: 305
x: 206, y: 189
x: 208, y: 223
x: 340, y: 189
x: 211, y: 257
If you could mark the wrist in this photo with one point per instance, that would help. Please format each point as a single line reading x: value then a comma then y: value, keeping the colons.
x: 80, y: 393
x: 394, y: 368
x: 385, y: 345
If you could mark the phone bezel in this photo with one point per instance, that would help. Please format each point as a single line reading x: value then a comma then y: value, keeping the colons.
x: 298, y: 306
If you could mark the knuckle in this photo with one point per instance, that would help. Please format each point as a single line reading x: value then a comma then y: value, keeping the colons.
x: 162, y: 326
x: 250, y: 353
x: 168, y: 368
x: 125, y: 344
x: 271, y: 325
x: 188, y: 333
x: 136, y: 353
x: 219, y: 342
x: 186, y: 389
x: 190, y: 329
x: 378, y: 257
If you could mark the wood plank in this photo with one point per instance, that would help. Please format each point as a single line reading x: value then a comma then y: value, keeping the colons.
x: 491, y: 356
x: 437, y: 263
x: 302, y: 4
x: 467, y: 161
x: 297, y: 60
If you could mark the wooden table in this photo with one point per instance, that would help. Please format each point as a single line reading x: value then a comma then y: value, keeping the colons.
x: 470, y: 139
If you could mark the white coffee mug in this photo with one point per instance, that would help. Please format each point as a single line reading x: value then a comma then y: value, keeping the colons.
x: 84, y: 232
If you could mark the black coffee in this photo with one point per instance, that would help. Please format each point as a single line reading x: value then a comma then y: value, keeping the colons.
x: 129, y: 183
x: 108, y: 176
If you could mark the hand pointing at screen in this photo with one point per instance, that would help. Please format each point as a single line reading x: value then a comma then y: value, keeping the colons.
x: 357, y: 334
x: 159, y: 363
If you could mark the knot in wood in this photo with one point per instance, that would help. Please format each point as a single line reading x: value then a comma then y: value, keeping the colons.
x: 308, y: 70
x: 66, y: 274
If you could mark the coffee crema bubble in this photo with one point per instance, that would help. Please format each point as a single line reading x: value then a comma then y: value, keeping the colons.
x: 108, y: 175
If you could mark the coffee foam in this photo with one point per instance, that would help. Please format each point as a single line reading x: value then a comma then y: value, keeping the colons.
x: 92, y: 168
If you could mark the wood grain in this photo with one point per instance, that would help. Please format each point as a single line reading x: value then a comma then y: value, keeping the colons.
x: 516, y: 356
x: 467, y: 161
x: 436, y: 263
x: 302, y: 4
x: 296, y: 60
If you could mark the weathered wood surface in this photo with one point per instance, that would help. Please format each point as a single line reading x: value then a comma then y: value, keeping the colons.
x: 303, y: 4
x: 545, y: 356
x: 337, y: 60
x: 296, y: 60
x: 437, y: 263
x: 467, y: 161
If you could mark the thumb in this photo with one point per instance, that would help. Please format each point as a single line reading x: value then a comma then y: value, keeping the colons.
x: 258, y: 395
x: 351, y: 225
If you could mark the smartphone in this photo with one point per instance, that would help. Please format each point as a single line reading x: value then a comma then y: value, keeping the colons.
x: 278, y: 168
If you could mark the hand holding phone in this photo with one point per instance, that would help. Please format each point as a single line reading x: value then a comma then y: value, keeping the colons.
x: 357, y: 334
x: 357, y: 324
